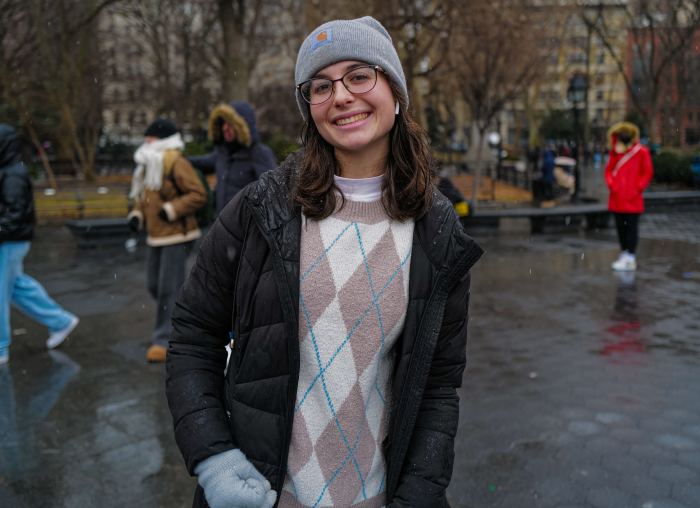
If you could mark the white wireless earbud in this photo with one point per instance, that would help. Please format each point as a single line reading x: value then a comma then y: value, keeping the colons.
x: 396, y: 109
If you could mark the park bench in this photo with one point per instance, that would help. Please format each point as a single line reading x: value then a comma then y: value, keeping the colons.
x: 90, y: 233
x: 595, y: 215
x: 111, y: 231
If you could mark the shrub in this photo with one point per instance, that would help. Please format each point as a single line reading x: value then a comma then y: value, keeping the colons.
x: 281, y: 145
x: 193, y: 148
x: 673, y: 167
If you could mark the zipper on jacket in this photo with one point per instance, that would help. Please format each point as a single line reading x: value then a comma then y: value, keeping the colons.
x: 278, y: 266
x: 235, y: 332
x: 427, y: 326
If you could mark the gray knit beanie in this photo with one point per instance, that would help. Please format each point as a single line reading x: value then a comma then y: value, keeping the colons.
x: 363, y: 39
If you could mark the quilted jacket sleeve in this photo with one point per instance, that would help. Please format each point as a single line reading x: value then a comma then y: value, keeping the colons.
x: 15, y: 204
x: 205, y: 163
x: 201, y: 323
x: 428, y: 464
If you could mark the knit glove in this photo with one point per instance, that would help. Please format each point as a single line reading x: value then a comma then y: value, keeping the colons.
x: 229, y: 480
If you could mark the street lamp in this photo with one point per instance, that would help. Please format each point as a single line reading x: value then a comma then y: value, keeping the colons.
x: 495, y: 141
x: 576, y: 93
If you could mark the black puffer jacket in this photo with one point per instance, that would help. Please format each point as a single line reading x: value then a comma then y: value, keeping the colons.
x: 16, y: 199
x: 246, y: 282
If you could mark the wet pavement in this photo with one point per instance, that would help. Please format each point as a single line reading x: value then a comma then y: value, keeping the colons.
x: 581, y: 388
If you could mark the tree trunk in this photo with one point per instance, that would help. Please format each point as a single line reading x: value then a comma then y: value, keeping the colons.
x: 42, y: 155
x: 583, y: 149
x: 654, y: 131
x: 476, y: 181
x: 85, y: 159
x: 235, y: 73
x: 654, y: 135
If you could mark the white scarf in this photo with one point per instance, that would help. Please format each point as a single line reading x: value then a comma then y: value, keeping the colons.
x: 149, y: 164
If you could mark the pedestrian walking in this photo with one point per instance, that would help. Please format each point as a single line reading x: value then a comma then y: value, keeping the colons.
x: 341, y: 282
x: 627, y: 174
x: 548, y: 165
x: 239, y: 157
x: 17, y: 221
x: 451, y: 192
x: 167, y: 193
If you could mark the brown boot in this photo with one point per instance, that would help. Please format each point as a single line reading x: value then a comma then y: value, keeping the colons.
x: 156, y: 353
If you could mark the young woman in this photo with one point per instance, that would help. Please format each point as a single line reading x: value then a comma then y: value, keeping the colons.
x: 627, y: 174
x: 341, y: 282
x: 166, y: 193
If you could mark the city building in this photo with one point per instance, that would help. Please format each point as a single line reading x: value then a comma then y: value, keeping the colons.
x: 579, y: 51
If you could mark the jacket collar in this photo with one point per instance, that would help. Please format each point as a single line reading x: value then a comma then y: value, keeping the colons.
x: 443, y: 238
x: 271, y: 196
x: 438, y: 231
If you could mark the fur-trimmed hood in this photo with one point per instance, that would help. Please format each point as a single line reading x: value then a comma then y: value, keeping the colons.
x: 620, y: 127
x: 239, y: 114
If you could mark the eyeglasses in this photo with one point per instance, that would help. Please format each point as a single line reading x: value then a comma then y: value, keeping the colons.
x: 356, y: 81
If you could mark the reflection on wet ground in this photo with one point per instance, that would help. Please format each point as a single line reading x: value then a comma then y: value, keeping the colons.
x: 101, y: 434
x: 581, y: 388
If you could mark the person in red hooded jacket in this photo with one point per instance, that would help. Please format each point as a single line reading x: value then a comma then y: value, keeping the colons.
x: 628, y: 172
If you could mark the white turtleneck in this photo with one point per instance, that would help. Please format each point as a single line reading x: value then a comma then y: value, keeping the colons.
x: 364, y: 190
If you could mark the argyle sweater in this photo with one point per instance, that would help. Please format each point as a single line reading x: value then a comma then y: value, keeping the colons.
x: 352, y: 304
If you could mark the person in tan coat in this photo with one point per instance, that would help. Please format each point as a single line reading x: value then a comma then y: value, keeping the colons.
x: 166, y: 193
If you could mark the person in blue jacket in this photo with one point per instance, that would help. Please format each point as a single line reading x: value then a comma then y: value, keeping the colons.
x: 548, y: 164
x: 239, y: 157
x: 17, y: 219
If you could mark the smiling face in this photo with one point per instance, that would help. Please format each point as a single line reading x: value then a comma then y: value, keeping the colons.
x: 355, y: 125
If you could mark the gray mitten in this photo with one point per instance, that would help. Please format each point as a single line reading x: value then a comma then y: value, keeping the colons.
x: 229, y: 479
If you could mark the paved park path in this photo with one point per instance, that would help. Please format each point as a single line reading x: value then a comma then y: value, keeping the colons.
x: 581, y: 388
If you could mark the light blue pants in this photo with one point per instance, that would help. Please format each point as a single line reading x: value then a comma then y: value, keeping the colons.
x: 25, y: 293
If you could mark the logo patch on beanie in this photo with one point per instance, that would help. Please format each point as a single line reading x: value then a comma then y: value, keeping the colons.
x: 321, y: 38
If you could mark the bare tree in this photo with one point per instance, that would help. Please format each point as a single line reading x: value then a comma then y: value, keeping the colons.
x: 659, y: 32
x: 420, y: 31
x: 497, y: 52
x: 168, y: 58
x: 50, y: 70
x: 240, y: 22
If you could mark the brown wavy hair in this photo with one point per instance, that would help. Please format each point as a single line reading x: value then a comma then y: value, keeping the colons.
x: 407, y: 190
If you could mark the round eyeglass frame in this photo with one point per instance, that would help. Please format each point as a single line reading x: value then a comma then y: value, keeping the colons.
x: 376, y: 68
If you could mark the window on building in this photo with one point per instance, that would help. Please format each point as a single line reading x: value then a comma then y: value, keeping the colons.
x: 577, y: 57
x: 692, y: 136
x: 511, y: 136
x: 601, y: 58
x: 599, y: 95
x: 579, y: 42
